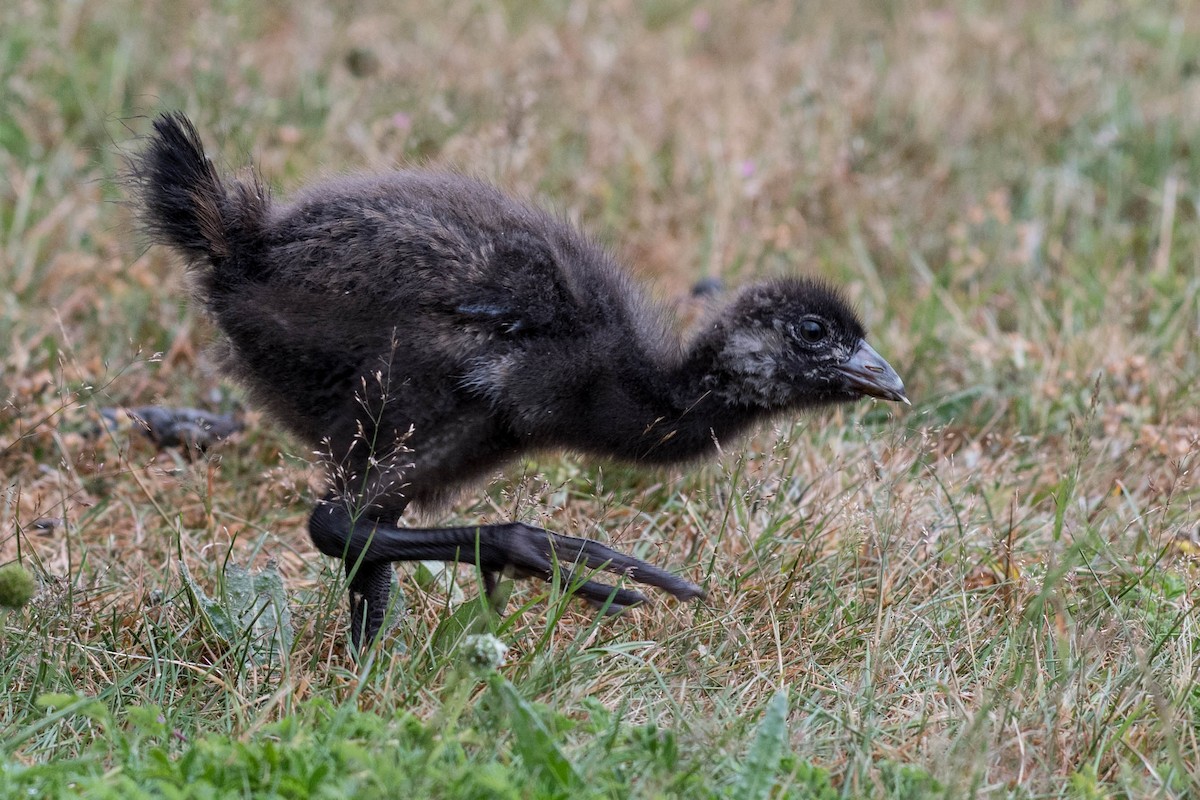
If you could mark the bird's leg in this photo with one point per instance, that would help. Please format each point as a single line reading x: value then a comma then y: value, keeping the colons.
x: 369, y: 580
x: 525, y: 550
x: 370, y: 592
x: 497, y: 586
x: 490, y: 582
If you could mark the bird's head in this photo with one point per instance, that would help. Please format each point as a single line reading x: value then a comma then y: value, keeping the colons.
x: 794, y: 342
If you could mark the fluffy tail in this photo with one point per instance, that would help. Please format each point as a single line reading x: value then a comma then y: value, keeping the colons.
x: 184, y: 204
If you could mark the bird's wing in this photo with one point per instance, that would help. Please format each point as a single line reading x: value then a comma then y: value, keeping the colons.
x: 523, y: 292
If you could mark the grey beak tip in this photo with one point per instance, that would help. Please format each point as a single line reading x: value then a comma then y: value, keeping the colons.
x: 868, y: 373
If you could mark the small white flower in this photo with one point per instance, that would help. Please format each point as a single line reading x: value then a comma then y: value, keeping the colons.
x: 483, y: 652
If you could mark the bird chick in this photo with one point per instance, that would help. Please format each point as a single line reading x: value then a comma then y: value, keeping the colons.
x: 423, y: 329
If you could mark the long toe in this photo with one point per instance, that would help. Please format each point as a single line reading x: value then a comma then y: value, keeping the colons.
x: 684, y: 590
x: 598, y: 556
x: 609, y: 609
x: 599, y: 594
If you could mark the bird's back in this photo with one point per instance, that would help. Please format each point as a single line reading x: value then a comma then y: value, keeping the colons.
x: 443, y: 287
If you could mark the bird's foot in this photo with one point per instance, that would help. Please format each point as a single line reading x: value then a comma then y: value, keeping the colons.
x: 532, y: 551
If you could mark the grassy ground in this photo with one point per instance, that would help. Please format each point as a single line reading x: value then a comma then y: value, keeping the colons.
x: 991, y: 594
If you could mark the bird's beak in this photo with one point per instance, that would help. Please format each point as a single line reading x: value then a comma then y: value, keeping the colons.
x: 866, y: 372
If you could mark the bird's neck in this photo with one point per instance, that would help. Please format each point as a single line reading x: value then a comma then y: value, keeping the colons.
x: 696, y: 405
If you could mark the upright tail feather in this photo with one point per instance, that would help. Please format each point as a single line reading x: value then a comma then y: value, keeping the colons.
x: 183, y: 203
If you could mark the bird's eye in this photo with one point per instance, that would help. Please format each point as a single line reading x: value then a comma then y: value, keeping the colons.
x: 811, y: 331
